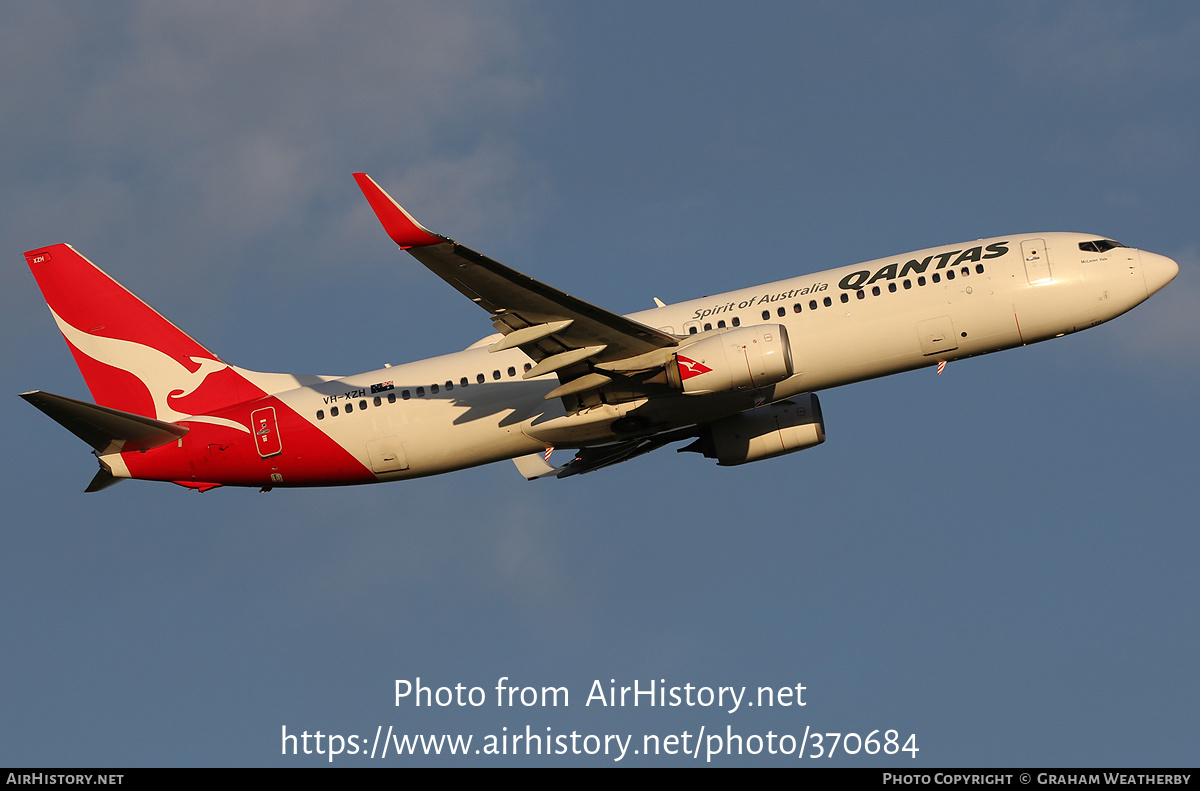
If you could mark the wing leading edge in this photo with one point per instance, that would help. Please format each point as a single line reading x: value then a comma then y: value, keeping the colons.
x: 561, y: 333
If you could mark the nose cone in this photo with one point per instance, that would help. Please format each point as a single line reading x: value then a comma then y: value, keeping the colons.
x: 1158, y: 270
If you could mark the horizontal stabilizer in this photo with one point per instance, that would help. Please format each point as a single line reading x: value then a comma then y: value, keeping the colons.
x: 103, y: 480
x: 534, y: 466
x: 106, y: 430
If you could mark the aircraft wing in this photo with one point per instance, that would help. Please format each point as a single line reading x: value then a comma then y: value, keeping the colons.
x: 559, y: 332
x: 597, y: 457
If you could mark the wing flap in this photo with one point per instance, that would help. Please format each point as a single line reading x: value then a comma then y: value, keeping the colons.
x: 557, y: 362
x: 580, y: 384
x: 528, y: 335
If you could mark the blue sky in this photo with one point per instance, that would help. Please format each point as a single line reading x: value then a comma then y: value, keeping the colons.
x: 999, y: 560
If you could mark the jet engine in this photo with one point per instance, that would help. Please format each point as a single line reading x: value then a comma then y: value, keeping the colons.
x: 738, y: 359
x: 763, y: 433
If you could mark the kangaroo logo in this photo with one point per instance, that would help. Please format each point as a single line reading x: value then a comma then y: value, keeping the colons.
x: 689, y: 367
x: 166, y: 379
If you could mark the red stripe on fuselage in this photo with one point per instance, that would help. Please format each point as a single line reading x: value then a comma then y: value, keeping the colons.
x: 220, y: 454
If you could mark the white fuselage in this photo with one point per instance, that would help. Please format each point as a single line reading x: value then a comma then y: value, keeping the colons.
x: 882, y: 317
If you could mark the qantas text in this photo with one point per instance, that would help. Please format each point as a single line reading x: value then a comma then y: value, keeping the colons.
x: 864, y: 277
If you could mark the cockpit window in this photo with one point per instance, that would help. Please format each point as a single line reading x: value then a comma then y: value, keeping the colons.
x: 1099, y: 245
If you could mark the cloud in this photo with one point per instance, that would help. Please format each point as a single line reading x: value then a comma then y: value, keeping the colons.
x: 167, y: 140
x: 221, y: 118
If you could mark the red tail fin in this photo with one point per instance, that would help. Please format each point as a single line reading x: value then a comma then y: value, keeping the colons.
x: 131, y: 357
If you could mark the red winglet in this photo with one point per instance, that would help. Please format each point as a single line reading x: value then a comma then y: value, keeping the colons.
x: 399, y: 224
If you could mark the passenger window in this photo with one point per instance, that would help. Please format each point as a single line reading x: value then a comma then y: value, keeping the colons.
x: 845, y: 297
x: 796, y: 308
x: 827, y: 301
x: 966, y: 270
x: 463, y: 382
x: 528, y: 366
x: 766, y: 315
x: 333, y: 411
x: 907, y: 284
x: 875, y: 291
x: 721, y: 324
x: 449, y: 386
x: 362, y: 404
x: 512, y: 371
x: 949, y: 274
x: 707, y: 326
x: 781, y: 312
x: 320, y: 414
x: 495, y: 374
x: 861, y: 294
x: 480, y: 378
x: 979, y: 269
x: 405, y: 395
x: 420, y: 392
x: 737, y: 322
x: 921, y: 280
x: 693, y: 330
x: 391, y: 398
x: 812, y: 304
x: 378, y: 401
x: 349, y: 408
x: 433, y: 390
x: 937, y: 278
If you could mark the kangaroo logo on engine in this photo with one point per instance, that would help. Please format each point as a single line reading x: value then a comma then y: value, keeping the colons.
x: 689, y: 367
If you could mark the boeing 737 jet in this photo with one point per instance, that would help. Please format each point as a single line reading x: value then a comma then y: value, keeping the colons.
x: 736, y: 373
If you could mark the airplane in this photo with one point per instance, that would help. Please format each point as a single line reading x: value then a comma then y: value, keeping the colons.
x: 737, y: 373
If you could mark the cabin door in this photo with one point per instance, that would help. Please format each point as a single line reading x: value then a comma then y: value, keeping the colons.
x: 266, y: 432
x: 1037, y: 261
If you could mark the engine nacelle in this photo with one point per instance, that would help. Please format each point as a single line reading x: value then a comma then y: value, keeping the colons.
x: 763, y: 433
x: 740, y: 359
